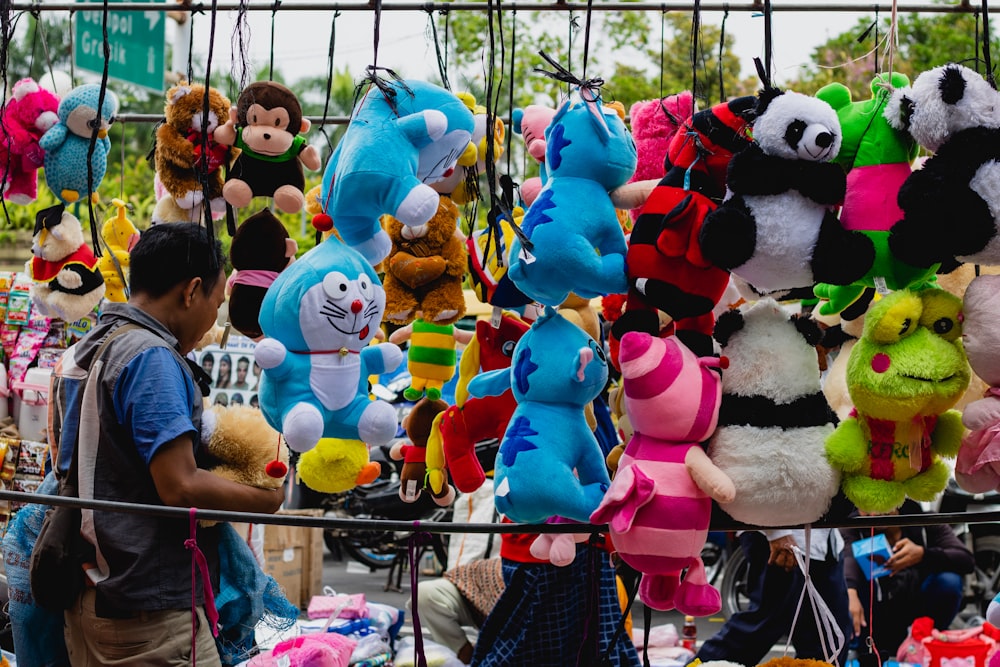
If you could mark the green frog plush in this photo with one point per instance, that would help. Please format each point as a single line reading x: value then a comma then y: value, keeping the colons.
x: 904, y: 374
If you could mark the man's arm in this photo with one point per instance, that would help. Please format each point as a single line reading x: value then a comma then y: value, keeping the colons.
x: 180, y: 483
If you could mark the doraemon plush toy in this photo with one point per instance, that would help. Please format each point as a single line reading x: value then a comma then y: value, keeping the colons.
x: 67, y: 143
x: 549, y: 462
x: 774, y: 420
x: 394, y: 147
x: 574, y: 242
x: 777, y: 229
x: 318, y: 318
x: 659, y: 504
x: 951, y: 205
x: 904, y: 374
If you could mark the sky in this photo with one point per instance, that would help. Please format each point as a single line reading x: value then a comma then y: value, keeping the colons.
x: 302, y: 38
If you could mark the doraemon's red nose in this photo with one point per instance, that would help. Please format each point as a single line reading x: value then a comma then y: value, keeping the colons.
x: 356, y: 306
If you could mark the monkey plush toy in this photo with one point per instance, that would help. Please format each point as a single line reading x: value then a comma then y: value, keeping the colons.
x: 264, y: 125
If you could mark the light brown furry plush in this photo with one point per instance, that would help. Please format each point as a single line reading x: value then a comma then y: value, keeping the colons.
x: 425, y: 268
x: 243, y: 442
x: 178, y: 145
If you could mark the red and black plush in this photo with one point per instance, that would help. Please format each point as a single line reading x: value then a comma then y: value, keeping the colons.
x: 666, y: 269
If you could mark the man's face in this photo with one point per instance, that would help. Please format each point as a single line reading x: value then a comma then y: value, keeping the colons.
x: 241, y: 370
x: 207, y: 364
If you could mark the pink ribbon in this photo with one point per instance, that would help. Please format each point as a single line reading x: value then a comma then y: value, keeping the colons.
x: 198, y: 560
x: 253, y: 278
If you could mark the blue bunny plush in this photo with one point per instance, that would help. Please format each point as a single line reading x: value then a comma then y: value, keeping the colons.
x: 387, y: 157
x: 577, y: 244
x: 67, y: 143
x: 318, y: 318
x: 557, y: 369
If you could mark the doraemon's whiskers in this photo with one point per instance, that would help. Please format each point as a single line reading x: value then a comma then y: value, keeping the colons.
x: 339, y: 314
x: 334, y: 307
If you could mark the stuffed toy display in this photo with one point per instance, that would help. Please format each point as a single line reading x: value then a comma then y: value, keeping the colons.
x: 335, y: 465
x: 573, y: 242
x: 977, y: 469
x: 67, y: 283
x: 425, y: 268
x: 778, y: 230
x: 667, y: 271
x: 659, y: 504
x: 877, y: 159
x: 395, y: 145
x: 318, y: 318
x: 462, y: 185
x: 413, y: 476
x: 27, y: 115
x: 549, y: 463
x: 475, y: 419
x: 954, y: 113
x: 774, y: 420
x: 431, y: 356
x: 120, y: 236
x: 531, y: 122
x: 188, y: 158
x: 67, y: 143
x: 903, y: 375
x: 261, y: 249
x: 265, y: 126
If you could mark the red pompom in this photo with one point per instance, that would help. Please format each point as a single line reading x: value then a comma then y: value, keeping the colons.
x: 322, y: 222
x: 723, y: 362
x: 276, y: 469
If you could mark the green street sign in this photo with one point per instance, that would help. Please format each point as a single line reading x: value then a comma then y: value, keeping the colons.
x: 136, y: 40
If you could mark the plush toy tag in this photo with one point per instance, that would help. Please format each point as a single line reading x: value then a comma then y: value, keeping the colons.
x: 526, y: 256
x: 496, y: 316
x: 880, y: 285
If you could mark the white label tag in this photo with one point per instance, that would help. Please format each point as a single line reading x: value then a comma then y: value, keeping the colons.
x: 288, y: 555
x: 411, y: 490
x: 880, y: 285
x: 495, y: 317
x: 526, y: 256
x: 283, y: 661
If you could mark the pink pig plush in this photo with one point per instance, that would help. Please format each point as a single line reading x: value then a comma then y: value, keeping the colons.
x: 658, y: 506
x: 977, y: 469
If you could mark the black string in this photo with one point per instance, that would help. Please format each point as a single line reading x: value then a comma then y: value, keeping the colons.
x: 695, y: 34
x: 560, y: 73
x: 586, y: 36
x: 40, y: 26
x: 663, y: 39
x: 447, y: 49
x: 768, y: 53
x: 240, y: 43
x: 95, y: 237
x: 975, y: 56
x: 329, y: 81
x: 201, y: 167
x: 620, y: 627
x: 376, y: 32
x: 274, y: 14
x: 647, y: 621
x: 510, y: 83
x: 190, y: 63
x: 722, y: 50
x: 372, y: 77
x: 7, y: 26
x: 496, y: 212
x: 442, y: 67
x: 986, y: 45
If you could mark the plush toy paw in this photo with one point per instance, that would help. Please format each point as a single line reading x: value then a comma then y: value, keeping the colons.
x: 460, y: 451
x: 875, y: 496
x: 657, y: 590
x: 377, y: 425
x: 418, y: 207
x: 269, y: 353
x: 289, y: 199
x: 375, y: 249
x: 695, y: 596
x: 70, y: 196
x: 237, y: 193
x: 303, y: 427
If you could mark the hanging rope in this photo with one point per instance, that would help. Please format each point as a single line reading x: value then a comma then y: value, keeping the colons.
x: 987, y: 61
x: 40, y: 29
x: 497, y: 210
x: 722, y: 51
x: 372, y: 77
x: 663, y: 39
x: 442, y: 66
x: 190, y: 62
x: 240, y: 45
x: 695, y: 35
x: 274, y: 14
x: 586, y: 36
x: 768, y: 57
x: 7, y: 26
x: 329, y: 80
x: 95, y: 128
x: 893, y: 36
x: 201, y: 166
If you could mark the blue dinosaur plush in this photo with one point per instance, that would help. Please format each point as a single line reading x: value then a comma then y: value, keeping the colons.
x: 557, y: 369
x: 67, y: 143
x: 318, y: 318
x: 386, y: 159
x: 577, y: 244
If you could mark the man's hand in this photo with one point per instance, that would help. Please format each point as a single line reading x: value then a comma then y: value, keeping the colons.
x: 904, y: 554
x: 781, y: 553
x: 857, y: 611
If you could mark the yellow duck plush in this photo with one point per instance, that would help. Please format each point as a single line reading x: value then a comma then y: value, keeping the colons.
x: 120, y: 235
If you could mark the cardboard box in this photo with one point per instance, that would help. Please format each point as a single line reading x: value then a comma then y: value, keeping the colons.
x: 871, y: 554
x: 294, y: 557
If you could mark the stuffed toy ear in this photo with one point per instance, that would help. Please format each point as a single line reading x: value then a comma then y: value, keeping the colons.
x: 492, y: 383
x: 809, y: 329
x: 728, y: 323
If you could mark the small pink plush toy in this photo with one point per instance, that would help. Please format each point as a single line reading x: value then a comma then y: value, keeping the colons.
x: 658, y: 506
x: 977, y: 469
x: 29, y: 112
x: 530, y: 122
x: 654, y: 123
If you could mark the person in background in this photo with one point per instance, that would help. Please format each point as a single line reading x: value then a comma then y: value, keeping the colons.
x: 927, y: 563
x: 242, y: 367
x: 208, y: 364
x: 144, y: 420
x: 225, y: 378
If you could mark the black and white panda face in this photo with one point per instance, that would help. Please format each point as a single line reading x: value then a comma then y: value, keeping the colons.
x: 798, y: 127
x: 941, y: 102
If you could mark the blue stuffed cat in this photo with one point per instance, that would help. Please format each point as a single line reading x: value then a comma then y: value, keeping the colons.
x: 386, y: 159
x: 318, y: 318
x: 557, y: 369
x: 67, y: 143
x: 577, y: 244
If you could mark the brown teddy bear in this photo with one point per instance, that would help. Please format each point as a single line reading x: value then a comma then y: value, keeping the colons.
x: 261, y: 249
x: 183, y: 147
x: 412, y: 478
x: 424, y: 269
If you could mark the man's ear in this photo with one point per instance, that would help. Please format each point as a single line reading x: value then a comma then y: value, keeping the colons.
x: 190, y: 287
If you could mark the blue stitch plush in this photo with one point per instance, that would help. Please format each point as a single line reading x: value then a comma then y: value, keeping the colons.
x: 557, y: 369
x: 386, y: 159
x: 577, y: 243
x: 67, y: 143
x: 318, y: 319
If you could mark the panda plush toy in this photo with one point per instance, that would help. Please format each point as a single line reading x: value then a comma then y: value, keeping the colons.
x: 950, y: 206
x: 777, y: 229
x: 774, y: 420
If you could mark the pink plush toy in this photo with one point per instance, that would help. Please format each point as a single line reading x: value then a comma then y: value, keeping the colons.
x: 321, y: 649
x: 658, y: 506
x: 654, y: 123
x: 29, y: 112
x: 977, y: 469
x: 530, y: 122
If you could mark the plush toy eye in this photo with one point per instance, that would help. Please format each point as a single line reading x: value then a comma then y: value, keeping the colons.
x: 336, y: 285
x: 793, y: 134
x: 277, y: 122
x: 366, y: 287
x: 942, y: 314
x: 907, y: 323
x: 507, y: 348
x: 598, y: 352
x: 943, y: 326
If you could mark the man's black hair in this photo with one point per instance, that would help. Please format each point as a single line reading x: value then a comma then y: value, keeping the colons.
x: 171, y: 254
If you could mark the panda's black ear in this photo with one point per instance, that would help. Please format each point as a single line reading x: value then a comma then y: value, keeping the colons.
x: 808, y: 328
x: 728, y: 323
x: 952, y: 84
x: 764, y: 99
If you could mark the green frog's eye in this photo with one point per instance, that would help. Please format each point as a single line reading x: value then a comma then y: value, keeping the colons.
x: 905, y: 327
x: 943, y: 325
